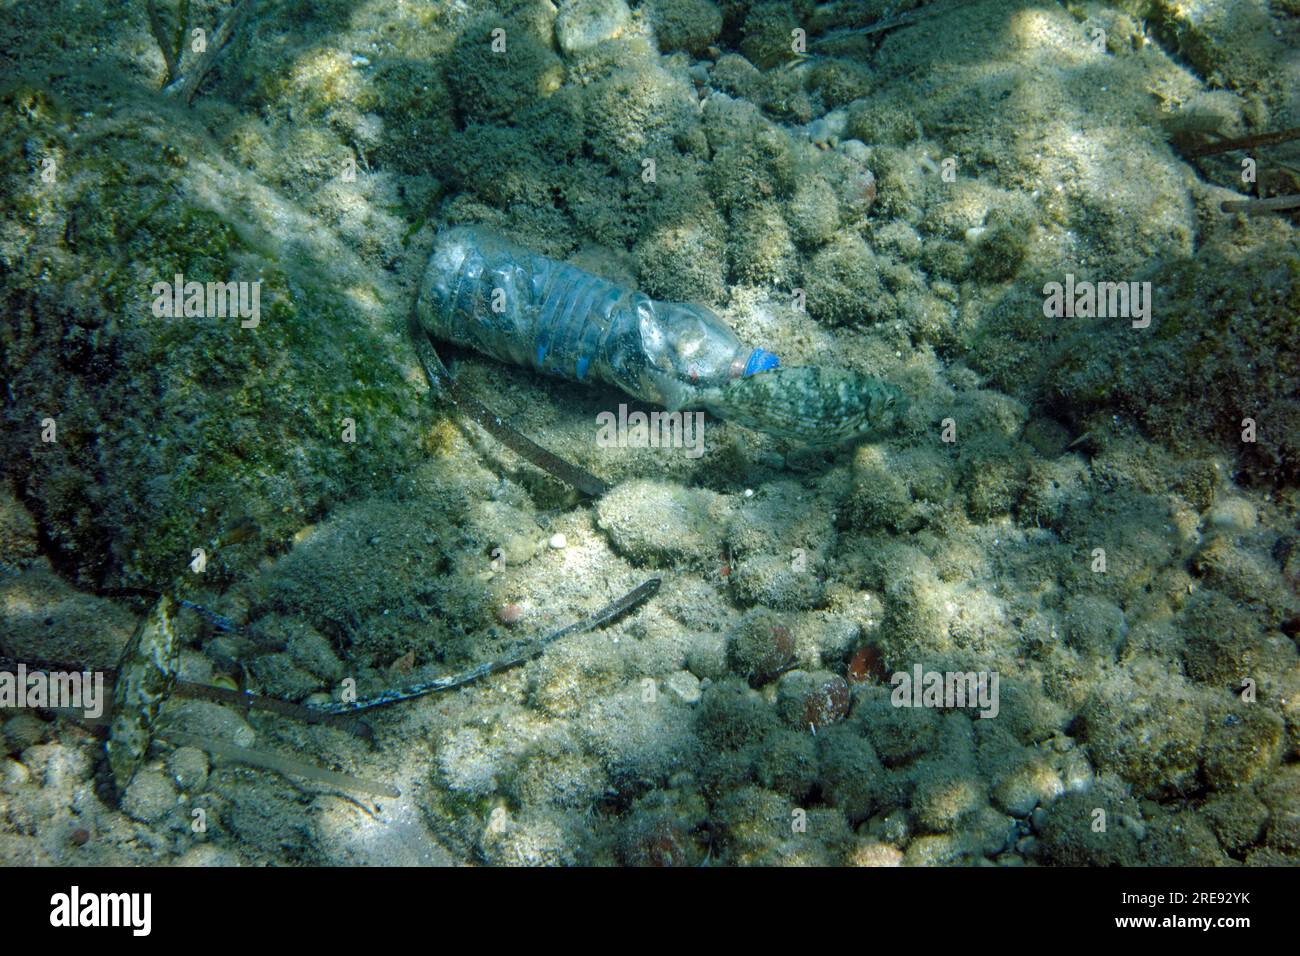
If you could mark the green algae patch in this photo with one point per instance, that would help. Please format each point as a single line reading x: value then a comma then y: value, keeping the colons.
x: 173, y: 429
x: 1222, y: 347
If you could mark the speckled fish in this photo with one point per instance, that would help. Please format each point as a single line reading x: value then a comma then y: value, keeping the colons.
x: 146, y: 675
x: 814, y: 407
x: 483, y: 292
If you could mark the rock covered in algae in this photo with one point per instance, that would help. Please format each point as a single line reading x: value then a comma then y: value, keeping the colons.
x: 585, y: 24
x: 656, y: 523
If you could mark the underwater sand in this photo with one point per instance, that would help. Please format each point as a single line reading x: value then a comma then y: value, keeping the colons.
x: 1074, y: 503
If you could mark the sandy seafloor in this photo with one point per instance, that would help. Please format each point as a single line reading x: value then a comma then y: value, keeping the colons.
x: 739, y: 717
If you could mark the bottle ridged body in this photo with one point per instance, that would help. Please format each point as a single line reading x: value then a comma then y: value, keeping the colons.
x: 488, y: 294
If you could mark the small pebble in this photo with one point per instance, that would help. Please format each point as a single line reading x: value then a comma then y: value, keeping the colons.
x: 855, y: 149
x: 149, y: 797
x: 828, y: 703
x: 13, y: 774
x: 1234, y: 514
x: 518, y: 549
x: 558, y: 542
x: 586, y: 24
x: 189, y: 768
x: 24, y: 730
x: 685, y: 685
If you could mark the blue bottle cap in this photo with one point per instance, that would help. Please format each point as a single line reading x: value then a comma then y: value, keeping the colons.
x: 760, y: 360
